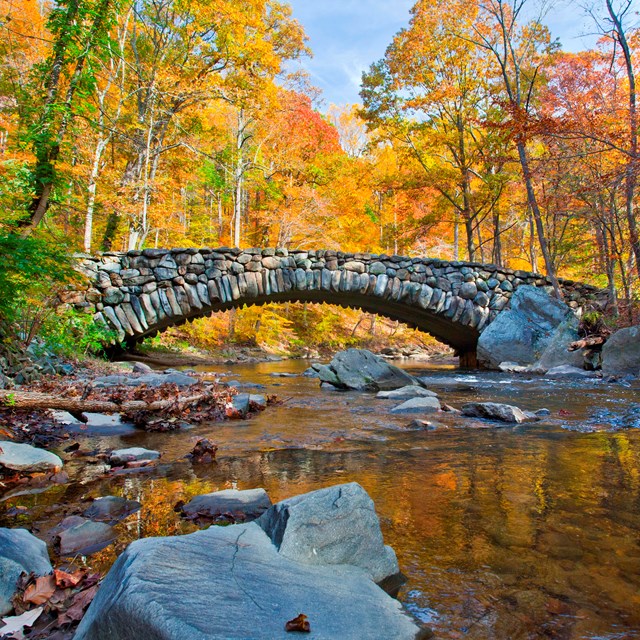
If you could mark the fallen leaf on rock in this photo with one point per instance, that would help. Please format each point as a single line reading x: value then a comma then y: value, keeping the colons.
x: 14, y: 625
x: 41, y: 590
x: 299, y: 623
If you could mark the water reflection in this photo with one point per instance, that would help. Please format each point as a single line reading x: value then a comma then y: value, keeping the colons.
x: 525, y: 532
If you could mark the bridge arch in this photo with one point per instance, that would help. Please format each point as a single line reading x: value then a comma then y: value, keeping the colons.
x: 140, y: 293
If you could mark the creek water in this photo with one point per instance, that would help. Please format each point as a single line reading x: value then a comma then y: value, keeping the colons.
x: 509, y: 532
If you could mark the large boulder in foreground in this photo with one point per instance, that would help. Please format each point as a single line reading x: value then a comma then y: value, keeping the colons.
x: 537, y: 327
x: 335, y: 525
x: 20, y: 552
x: 231, y: 582
x: 621, y: 353
x: 362, y: 370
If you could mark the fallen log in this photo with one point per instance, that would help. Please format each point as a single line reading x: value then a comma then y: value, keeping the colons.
x: 33, y: 400
x: 587, y: 342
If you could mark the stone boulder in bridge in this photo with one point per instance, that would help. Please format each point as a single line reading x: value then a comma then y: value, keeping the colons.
x: 536, y: 330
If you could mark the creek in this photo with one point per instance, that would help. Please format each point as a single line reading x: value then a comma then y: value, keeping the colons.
x: 530, y: 531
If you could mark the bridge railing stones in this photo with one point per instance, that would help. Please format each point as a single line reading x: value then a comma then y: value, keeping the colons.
x: 141, y: 292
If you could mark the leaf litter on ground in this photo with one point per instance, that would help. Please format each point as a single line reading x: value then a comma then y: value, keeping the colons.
x: 62, y: 598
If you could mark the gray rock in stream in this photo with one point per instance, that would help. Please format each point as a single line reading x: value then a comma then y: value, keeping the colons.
x: 335, y: 525
x: 406, y: 393
x: 111, y: 509
x: 20, y: 552
x: 362, y: 370
x: 132, y: 454
x: 418, y: 405
x: 231, y: 582
x: 84, y: 537
x: 27, y: 459
x: 566, y: 371
x: 244, y: 402
x: 621, y: 352
x: 496, y: 411
x: 244, y: 505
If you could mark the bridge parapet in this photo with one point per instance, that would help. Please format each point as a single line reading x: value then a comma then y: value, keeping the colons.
x: 139, y: 293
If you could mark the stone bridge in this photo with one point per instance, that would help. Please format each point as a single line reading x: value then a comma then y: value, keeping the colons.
x: 140, y: 293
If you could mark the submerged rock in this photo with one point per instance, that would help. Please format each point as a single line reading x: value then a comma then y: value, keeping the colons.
x: 27, y: 459
x: 204, y: 451
x: 361, y: 370
x: 567, y: 371
x: 406, y: 393
x: 335, y: 525
x: 132, y: 454
x: 496, y: 411
x: 85, y: 537
x: 421, y: 425
x: 111, y: 509
x: 418, y: 405
x: 20, y: 552
x: 242, y: 505
x: 621, y: 352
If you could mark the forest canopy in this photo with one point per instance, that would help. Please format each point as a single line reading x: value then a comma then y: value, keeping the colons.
x: 161, y: 123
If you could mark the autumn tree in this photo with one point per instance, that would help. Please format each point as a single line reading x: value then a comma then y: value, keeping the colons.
x: 520, y: 52
x: 79, y: 32
x: 431, y: 93
x: 618, y: 27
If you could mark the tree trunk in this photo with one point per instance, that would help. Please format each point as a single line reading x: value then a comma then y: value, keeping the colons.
x: 48, y: 152
x: 92, y: 189
x: 631, y: 172
x: 29, y: 400
x: 238, y: 179
x: 496, y: 256
x: 537, y: 216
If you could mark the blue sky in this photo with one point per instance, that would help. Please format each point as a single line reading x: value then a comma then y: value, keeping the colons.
x: 346, y: 36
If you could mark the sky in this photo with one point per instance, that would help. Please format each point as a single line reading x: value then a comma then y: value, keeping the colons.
x: 346, y: 36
